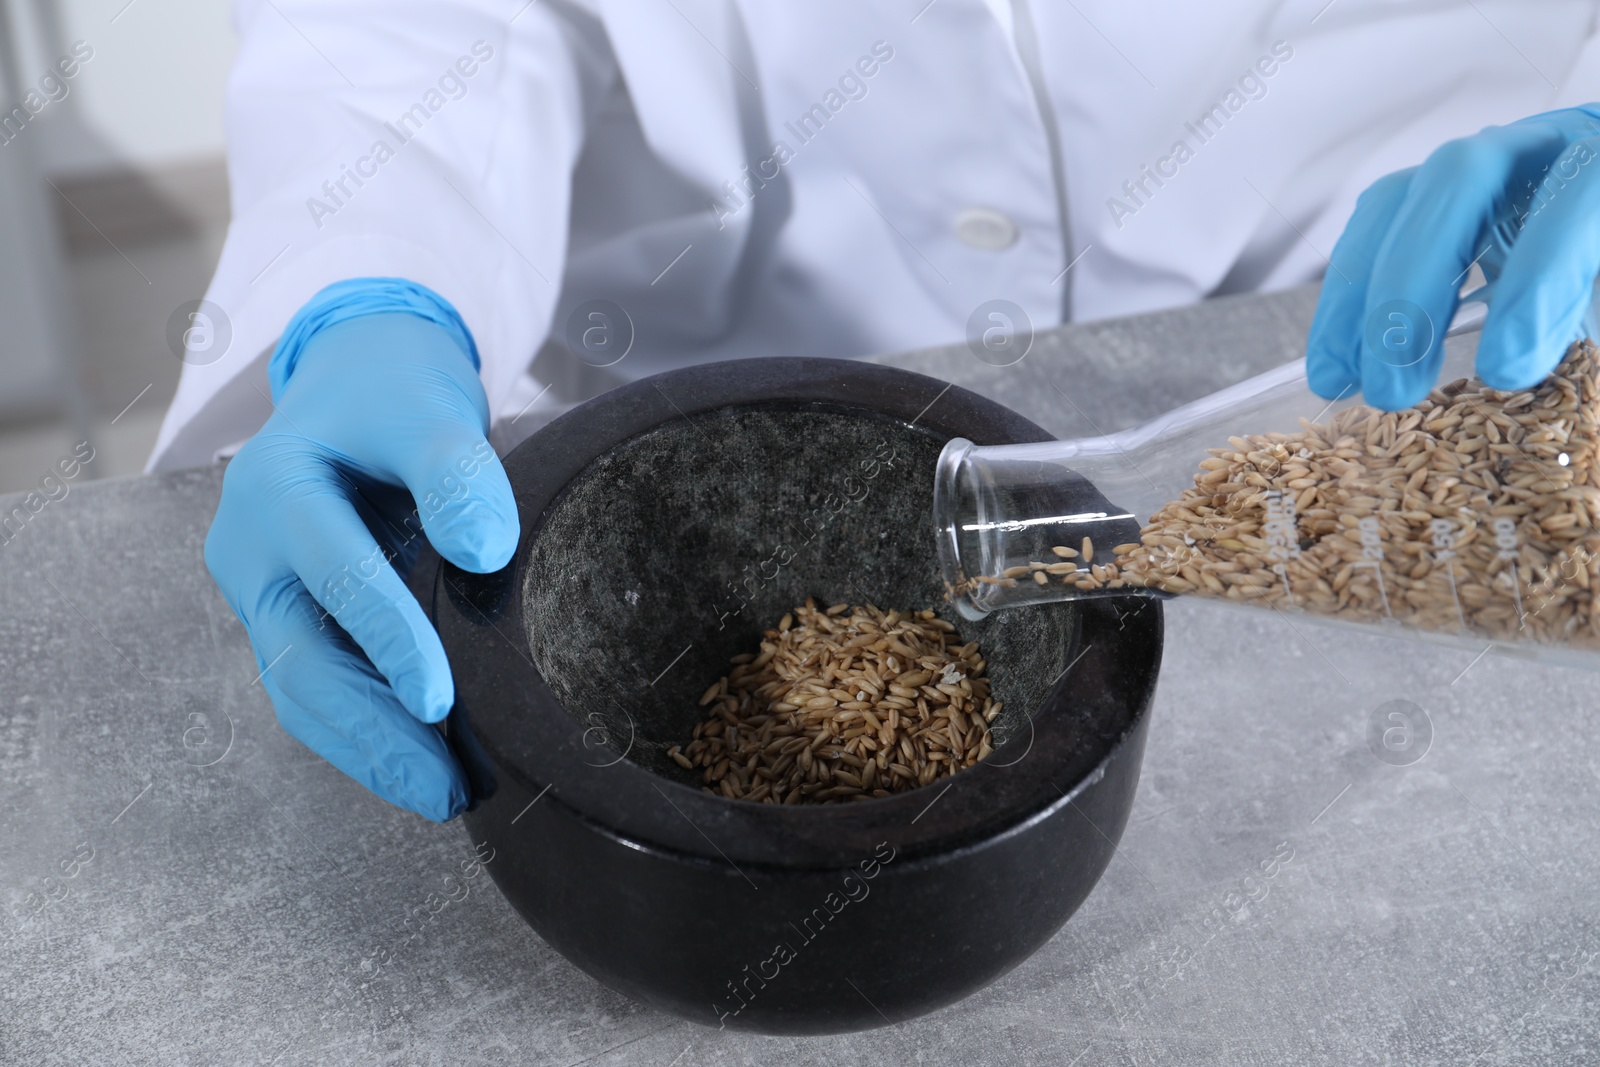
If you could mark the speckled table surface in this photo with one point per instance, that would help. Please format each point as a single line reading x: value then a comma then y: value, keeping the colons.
x: 180, y: 882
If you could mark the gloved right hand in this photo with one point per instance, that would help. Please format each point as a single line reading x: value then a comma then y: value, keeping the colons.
x: 376, y: 439
x: 1518, y: 200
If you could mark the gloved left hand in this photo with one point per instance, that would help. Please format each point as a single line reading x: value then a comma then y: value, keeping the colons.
x: 1523, y: 201
x: 376, y: 440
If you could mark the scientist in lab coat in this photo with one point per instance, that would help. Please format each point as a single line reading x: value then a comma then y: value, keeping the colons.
x: 452, y: 215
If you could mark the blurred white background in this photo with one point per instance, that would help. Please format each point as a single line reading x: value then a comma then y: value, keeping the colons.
x: 114, y: 208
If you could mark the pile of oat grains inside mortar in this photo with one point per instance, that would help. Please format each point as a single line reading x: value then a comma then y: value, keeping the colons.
x: 843, y: 704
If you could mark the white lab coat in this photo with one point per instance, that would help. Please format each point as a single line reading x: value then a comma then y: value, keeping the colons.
x: 826, y: 177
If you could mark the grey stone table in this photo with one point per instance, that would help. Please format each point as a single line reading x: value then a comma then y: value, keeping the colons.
x: 180, y: 882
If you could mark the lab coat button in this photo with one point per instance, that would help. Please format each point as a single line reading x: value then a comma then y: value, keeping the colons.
x: 986, y: 228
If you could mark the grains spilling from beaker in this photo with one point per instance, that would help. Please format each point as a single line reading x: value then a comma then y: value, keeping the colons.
x: 843, y: 703
x: 1476, y: 512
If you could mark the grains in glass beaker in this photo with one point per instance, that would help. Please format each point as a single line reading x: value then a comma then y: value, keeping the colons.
x: 1475, y: 512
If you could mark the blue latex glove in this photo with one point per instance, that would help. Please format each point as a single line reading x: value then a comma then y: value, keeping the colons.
x: 377, y: 439
x: 1529, y: 194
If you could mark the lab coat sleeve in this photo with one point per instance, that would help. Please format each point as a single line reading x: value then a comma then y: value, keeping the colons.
x: 1580, y: 82
x: 423, y: 139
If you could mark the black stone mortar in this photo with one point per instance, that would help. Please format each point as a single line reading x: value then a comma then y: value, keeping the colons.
x: 668, y: 523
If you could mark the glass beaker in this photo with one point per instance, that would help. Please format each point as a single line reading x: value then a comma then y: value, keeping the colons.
x: 1471, y: 517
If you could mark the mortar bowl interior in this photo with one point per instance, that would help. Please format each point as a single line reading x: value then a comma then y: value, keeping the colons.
x: 676, y: 549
